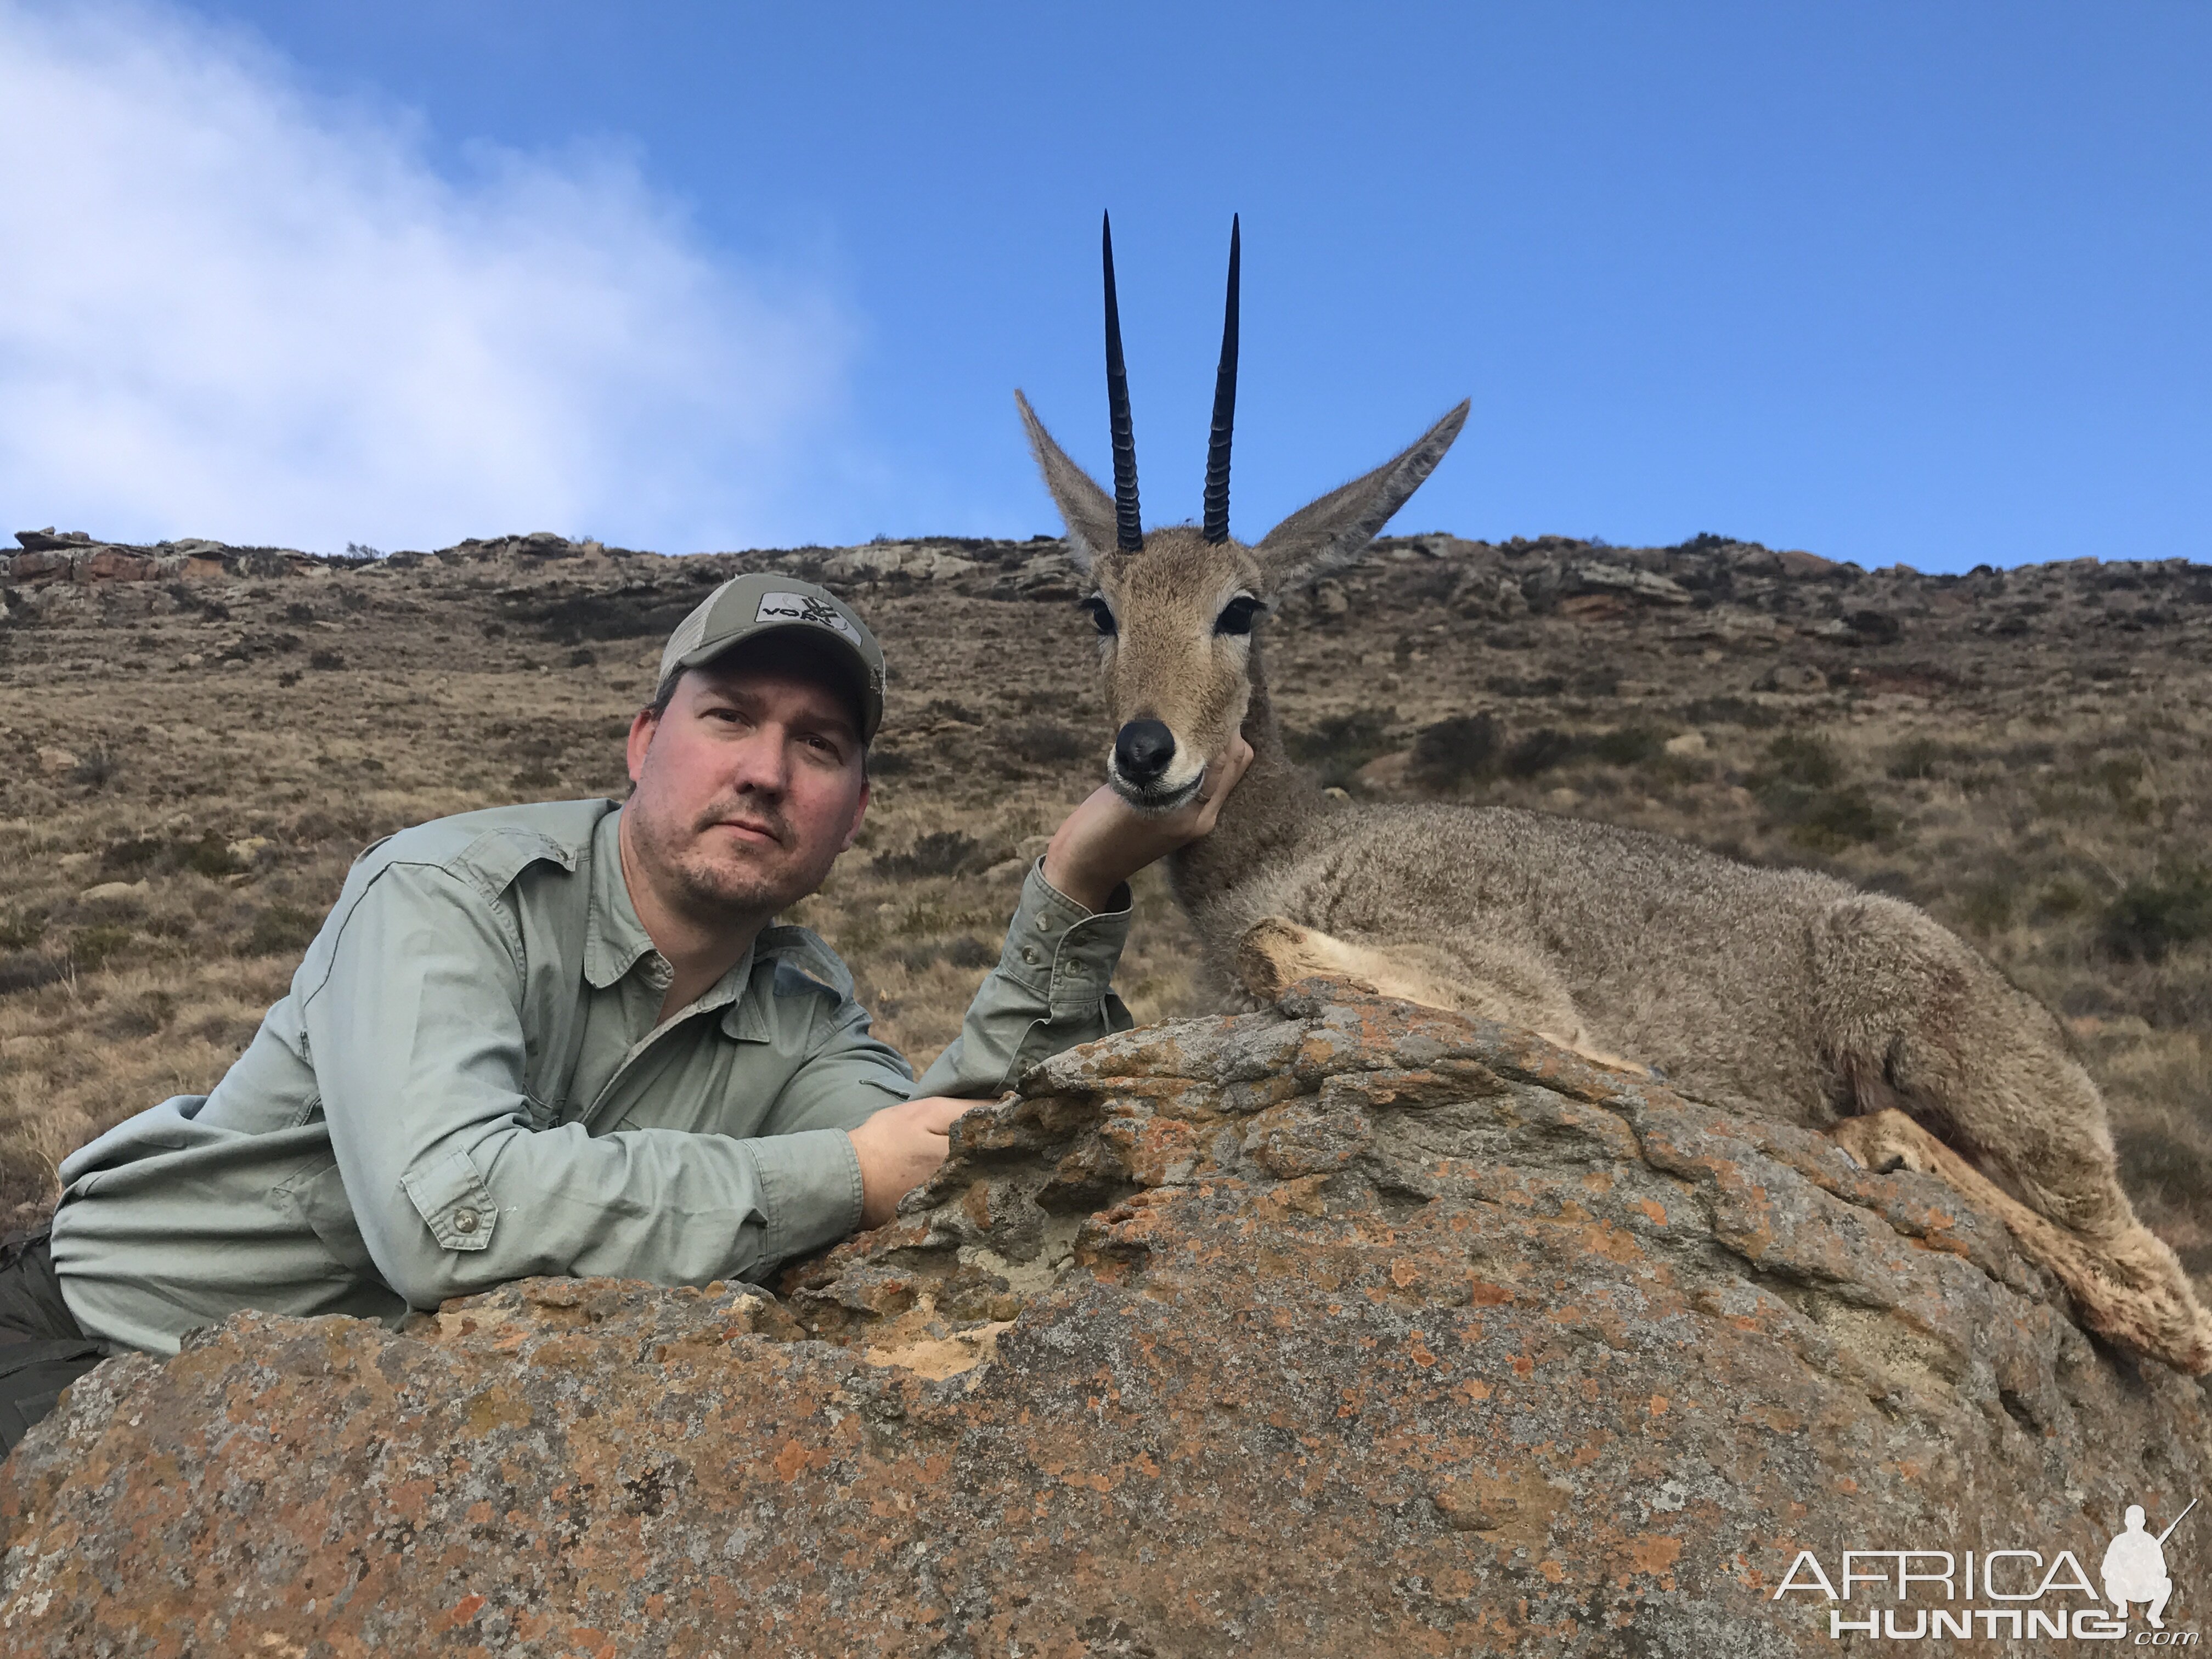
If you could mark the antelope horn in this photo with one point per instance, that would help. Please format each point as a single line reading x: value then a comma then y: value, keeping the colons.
x: 1128, y: 528
x: 1224, y: 407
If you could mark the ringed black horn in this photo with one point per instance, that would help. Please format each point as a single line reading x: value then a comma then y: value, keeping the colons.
x: 1225, y: 407
x: 1129, y: 527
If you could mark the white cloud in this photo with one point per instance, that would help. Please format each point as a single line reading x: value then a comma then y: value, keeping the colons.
x: 229, y: 308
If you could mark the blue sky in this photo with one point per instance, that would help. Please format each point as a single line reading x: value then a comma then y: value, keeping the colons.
x: 1889, y: 282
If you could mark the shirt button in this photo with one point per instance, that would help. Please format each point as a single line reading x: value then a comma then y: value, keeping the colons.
x: 1030, y: 955
x: 464, y: 1221
x: 1044, y: 924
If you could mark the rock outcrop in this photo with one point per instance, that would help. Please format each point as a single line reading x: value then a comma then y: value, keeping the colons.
x: 72, y: 555
x: 1735, y: 590
x: 1342, y: 1328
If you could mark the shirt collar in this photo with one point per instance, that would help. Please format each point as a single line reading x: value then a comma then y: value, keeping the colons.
x: 614, y: 938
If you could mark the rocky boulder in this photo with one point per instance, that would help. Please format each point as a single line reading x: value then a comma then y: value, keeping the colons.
x: 1341, y: 1327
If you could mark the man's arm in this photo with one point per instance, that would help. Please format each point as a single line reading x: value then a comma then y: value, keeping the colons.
x: 1052, y: 987
x: 415, y: 1036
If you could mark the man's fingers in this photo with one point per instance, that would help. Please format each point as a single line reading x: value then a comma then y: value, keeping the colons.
x: 1228, y: 767
x: 1222, y: 775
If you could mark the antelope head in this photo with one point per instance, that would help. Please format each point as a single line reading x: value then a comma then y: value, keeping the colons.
x: 1176, y: 607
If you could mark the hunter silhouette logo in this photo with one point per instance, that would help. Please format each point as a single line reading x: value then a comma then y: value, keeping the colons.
x: 2135, y: 1566
x: 797, y: 607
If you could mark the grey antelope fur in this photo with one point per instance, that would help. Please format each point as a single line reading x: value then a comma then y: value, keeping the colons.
x: 1783, y: 993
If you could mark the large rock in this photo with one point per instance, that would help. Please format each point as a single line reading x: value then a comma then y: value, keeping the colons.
x: 879, y: 560
x: 1345, y: 1328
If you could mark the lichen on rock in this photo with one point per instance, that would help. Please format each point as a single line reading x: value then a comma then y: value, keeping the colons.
x: 1344, y: 1326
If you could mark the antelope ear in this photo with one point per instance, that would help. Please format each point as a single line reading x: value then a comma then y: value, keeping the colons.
x: 1087, y: 510
x: 1335, y: 530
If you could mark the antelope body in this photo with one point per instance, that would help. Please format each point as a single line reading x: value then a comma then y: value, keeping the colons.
x: 1781, y: 994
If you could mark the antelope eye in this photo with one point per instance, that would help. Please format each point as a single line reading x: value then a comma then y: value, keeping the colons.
x: 1100, y: 613
x: 1236, y: 616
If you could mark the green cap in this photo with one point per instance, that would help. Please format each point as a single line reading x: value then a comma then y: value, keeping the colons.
x: 747, y: 608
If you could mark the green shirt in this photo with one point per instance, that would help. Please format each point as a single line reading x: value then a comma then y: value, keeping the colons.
x: 470, y: 1083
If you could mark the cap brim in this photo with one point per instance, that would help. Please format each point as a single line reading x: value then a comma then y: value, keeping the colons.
x: 833, y: 644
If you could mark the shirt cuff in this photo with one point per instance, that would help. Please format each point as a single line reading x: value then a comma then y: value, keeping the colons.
x: 810, y: 1190
x: 1059, y: 949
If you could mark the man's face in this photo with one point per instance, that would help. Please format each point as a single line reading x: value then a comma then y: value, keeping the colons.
x: 748, y: 787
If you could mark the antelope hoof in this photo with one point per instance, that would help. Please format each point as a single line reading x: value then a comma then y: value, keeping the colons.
x: 1885, y: 1141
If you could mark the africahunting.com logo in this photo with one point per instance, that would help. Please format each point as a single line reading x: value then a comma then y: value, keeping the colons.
x: 1909, y: 1595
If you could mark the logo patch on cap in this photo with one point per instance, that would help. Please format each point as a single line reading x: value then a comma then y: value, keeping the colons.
x: 797, y: 607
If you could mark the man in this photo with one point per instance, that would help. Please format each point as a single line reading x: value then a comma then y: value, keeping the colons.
x: 567, y: 1038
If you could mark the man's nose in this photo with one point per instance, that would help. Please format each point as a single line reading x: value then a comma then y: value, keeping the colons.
x: 762, y: 762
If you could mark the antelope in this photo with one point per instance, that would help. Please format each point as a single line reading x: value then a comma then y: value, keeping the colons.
x: 1781, y: 994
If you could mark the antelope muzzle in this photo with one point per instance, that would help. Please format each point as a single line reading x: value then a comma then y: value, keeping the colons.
x: 1143, y: 755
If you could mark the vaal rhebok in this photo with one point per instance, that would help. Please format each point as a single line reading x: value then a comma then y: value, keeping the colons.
x: 1780, y: 993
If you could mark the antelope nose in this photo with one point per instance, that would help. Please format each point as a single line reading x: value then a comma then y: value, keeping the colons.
x: 1142, y: 750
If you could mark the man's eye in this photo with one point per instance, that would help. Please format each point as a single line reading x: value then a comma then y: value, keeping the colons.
x: 1101, y: 613
x: 1236, y: 616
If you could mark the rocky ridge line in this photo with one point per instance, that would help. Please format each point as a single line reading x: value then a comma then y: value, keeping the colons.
x: 1733, y: 589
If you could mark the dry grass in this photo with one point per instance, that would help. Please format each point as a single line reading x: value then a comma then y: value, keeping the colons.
x: 2044, y: 788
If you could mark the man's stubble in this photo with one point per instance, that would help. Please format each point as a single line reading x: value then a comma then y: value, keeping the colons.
x: 730, y: 887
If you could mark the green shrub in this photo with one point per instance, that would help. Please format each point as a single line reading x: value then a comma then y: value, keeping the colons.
x: 2063, y: 897
x: 210, y: 855
x: 2152, y: 915
x: 1809, y: 762
x: 1802, y: 787
x: 96, y: 770
x: 1046, y: 742
x: 940, y: 853
x: 282, y: 930
x: 1455, y: 751
x: 1832, y: 819
x: 1341, y: 743
x: 94, y: 946
x: 134, y: 855
x: 1987, y: 906
x: 1539, y: 752
x: 27, y: 970
x: 1919, y: 757
x: 137, y: 1016
x: 1629, y: 746
x: 2120, y: 774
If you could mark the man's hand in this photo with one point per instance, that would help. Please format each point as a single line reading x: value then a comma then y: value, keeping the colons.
x: 1104, y: 842
x: 899, y: 1148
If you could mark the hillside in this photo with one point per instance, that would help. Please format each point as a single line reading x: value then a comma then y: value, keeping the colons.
x: 195, y: 739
